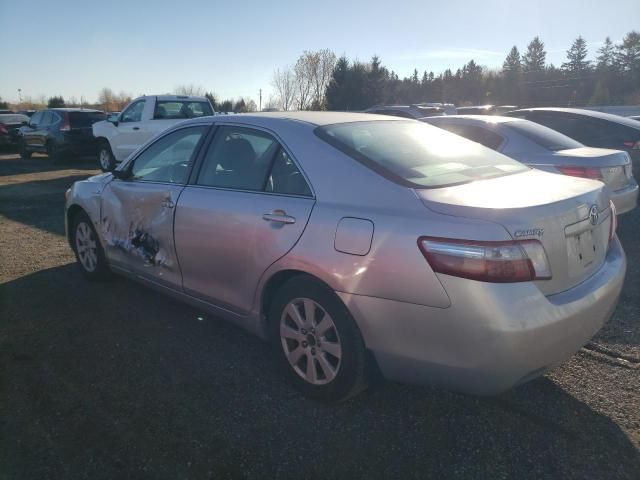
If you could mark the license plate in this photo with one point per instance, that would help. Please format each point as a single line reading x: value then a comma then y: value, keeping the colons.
x: 583, y: 248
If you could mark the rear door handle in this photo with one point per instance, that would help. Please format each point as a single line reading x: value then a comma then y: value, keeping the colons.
x: 279, y: 217
x: 136, y: 128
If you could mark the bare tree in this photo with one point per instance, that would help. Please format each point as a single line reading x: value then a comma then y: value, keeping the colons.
x: 284, y: 82
x: 251, y: 105
x: 304, y: 73
x: 271, y: 105
x: 191, y: 89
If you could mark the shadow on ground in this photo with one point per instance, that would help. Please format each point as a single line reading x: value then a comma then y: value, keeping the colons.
x: 113, y: 380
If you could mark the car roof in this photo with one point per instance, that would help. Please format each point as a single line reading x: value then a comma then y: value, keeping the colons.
x: 588, y: 113
x: 312, y: 118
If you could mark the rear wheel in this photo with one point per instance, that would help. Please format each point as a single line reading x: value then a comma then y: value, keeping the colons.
x: 89, y: 252
x: 317, y: 341
x: 105, y: 157
x: 53, y: 152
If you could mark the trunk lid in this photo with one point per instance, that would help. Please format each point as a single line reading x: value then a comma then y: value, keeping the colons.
x: 557, y: 210
x: 615, y: 165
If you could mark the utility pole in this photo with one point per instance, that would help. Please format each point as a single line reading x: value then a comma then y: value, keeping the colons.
x: 260, y: 104
x: 20, y: 95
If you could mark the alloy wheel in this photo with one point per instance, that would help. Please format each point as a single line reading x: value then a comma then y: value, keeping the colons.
x: 86, y: 247
x: 310, y: 341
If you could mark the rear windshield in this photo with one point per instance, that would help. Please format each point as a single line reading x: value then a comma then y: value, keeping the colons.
x: 85, y: 119
x: 543, y: 136
x: 416, y: 154
x: 176, y: 109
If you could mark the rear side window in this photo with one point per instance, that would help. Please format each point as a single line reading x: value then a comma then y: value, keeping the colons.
x: 543, y: 136
x: 417, y: 155
x: 181, y: 109
x: 85, y: 119
x: 246, y: 159
x: 480, y: 135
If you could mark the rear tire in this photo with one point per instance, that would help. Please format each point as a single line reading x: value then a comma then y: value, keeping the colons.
x: 86, y: 245
x: 316, y: 341
x: 105, y: 157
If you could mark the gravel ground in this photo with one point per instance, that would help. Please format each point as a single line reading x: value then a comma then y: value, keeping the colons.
x: 116, y: 381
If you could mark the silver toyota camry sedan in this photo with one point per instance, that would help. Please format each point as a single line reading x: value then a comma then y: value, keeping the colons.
x: 359, y: 243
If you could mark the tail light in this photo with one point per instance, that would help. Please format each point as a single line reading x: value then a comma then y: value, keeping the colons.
x: 496, y: 262
x: 632, y: 145
x: 66, y: 126
x: 3, y: 129
x: 613, y: 225
x: 584, y: 172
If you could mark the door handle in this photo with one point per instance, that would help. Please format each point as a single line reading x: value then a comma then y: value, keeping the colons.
x: 136, y: 128
x: 279, y: 216
x: 168, y: 203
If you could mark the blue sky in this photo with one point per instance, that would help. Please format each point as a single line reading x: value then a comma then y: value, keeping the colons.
x: 74, y: 48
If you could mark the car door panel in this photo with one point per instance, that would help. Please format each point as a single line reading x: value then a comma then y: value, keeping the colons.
x: 137, y: 227
x: 227, y: 239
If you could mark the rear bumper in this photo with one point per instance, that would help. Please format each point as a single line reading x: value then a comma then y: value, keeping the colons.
x: 493, y: 336
x: 627, y: 199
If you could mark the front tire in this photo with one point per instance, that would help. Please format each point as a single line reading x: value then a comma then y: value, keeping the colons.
x: 316, y: 341
x: 53, y: 152
x: 89, y: 253
x: 24, y: 153
x: 105, y: 157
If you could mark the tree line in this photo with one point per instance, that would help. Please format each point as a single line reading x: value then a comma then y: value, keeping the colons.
x: 525, y: 79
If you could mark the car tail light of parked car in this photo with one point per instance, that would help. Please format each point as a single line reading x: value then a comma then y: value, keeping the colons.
x: 66, y: 125
x: 496, y: 262
x: 584, y: 172
x: 3, y: 129
x: 633, y: 145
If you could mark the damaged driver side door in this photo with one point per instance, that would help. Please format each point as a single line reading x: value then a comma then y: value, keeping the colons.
x: 137, y: 212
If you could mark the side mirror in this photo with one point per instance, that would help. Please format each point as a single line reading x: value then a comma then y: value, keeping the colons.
x: 124, y: 174
x: 24, y: 123
x: 113, y: 119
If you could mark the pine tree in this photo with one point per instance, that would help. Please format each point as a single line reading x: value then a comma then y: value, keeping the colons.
x: 577, y: 57
x: 534, y: 59
x: 55, y: 102
x: 512, y: 64
x: 628, y: 53
x: 606, y: 55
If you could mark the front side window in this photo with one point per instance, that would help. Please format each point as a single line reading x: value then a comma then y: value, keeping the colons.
x: 134, y: 112
x: 168, y: 159
x: 417, y: 155
x: 47, y: 119
x: 170, y: 109
x: 239, y: 158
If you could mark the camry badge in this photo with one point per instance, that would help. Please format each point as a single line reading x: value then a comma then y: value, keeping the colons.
x: 529, y: 232
x: 593, y: 214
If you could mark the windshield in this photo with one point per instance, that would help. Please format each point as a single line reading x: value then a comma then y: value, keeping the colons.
x: 543, y: 136
x: 416, y: 154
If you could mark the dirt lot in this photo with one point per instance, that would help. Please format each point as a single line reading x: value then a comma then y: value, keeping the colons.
x: 116, y: 381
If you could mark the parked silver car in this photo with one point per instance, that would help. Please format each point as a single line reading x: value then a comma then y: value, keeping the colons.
x: 358, y: 242
x: 546, y: 149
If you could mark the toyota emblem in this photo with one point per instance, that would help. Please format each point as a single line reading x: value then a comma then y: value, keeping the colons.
x: 593, y: 214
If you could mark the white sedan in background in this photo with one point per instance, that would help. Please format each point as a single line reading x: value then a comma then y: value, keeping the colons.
x: 545, y: 149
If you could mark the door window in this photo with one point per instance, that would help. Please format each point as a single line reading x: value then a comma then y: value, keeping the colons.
x: 46, y: 119
x: 134, y: 112
x: 166, y: 109
x: 480, y: 135
x: 285, y: 177
x: 239, y: 158
x: 168, y: 159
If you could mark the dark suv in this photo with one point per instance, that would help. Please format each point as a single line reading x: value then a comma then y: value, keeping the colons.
x: 60, y: 132
x: 594, y: 129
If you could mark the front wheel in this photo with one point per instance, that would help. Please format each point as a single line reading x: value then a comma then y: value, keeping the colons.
x: 53, y: 152
x: 105, y: 157
x: 316, y: 341
x: 89, y: 252
x: 24, y: 153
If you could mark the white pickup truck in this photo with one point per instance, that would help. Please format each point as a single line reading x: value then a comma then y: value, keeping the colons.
x: 145, y: 117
